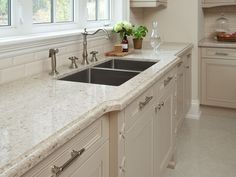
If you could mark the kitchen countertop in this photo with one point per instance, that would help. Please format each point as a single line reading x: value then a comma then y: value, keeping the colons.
x: 207, y: 42
x: 39, y: 114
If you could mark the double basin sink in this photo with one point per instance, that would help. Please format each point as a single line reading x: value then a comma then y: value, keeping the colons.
x: 113, y: 72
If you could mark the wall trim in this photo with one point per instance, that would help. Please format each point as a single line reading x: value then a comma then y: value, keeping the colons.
x: 194, y: 112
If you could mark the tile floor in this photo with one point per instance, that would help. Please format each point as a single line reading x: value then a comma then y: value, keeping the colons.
x: 207, y: 148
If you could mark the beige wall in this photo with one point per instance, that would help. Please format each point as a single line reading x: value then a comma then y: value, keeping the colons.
x: 179, y: 23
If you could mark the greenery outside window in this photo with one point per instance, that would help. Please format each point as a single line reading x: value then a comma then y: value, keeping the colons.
x: 53, y: 11
x: 98, y: 10
x: 5, y: 12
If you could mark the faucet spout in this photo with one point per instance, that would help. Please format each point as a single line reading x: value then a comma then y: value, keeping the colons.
x: 85, y: 43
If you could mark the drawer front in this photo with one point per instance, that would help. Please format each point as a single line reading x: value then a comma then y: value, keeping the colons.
x: 138, y: 106
x: 89, y: 140
x: 219, y: 53
x: 167, y: 81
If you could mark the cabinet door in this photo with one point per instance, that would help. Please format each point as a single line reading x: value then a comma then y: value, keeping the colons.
x: 187, y: 83
x: 218, y: 82
x: 139, y: 145
x: 164, y: 132
x: 180, y: 97
x: 219, y: 1
x: 96, y: 166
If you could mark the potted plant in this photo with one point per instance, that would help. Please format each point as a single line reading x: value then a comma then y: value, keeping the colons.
x: 125, y: 29
x: 139, y: 33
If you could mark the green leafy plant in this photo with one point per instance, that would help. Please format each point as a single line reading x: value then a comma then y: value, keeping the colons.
x: 139, y: 32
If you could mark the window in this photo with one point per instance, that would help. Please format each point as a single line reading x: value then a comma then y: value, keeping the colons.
x: 5, y: 11
x: 53, y: 11
x: 98, y: 10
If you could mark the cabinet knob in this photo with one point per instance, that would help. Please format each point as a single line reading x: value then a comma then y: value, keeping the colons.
x: 158, y: 107
x: 162, y: 103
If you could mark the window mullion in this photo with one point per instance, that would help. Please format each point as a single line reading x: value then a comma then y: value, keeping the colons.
x: 9, y: 13
x: 53, y: 11
x: 97, y: 9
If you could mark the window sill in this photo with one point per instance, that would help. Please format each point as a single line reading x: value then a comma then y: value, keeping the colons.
x: 32, y: 38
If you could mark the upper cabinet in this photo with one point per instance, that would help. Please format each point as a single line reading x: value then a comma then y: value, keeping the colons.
x: 148, y: 3
x: 215, y: 3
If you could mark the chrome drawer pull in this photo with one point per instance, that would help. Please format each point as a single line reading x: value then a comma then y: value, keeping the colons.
x: 187, y: 67
x: 56, y: 171
x: 179, y: 64
x: 167, y: 81
x: 222, y: 54
x: 143, y: 104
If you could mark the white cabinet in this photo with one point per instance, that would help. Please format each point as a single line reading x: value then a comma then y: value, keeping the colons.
x: 96, y: 166
x: 218, y: 83
x: 214, y: 3
x: 139, y: 136
x: 164, y: 123
x: 90, y: 160
x: 147, y: 3
x: 139, y: 146
x: 180, y: 95
x: 187, y: 82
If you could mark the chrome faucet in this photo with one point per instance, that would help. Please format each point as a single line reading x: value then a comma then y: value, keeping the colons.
x: 85, y: 43
x: 52, y: 54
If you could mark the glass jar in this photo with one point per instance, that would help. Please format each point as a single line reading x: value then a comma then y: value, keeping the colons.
x: 222, y: 24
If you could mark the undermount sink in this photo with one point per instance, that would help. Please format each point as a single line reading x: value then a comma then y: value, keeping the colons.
x: 101, y: 76
x: 133, y: 65
x: 113, y: 72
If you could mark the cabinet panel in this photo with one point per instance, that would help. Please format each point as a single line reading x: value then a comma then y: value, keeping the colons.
x: 164, y: 132
x: 147, y: 3
x: 96, y: 166
x: 187, y: 83
x: 133, y: 110
x: 139, y: 146
x: 90, y: 139
x: 219, y: 1
x: 218, y: 82
x: 180, y: 96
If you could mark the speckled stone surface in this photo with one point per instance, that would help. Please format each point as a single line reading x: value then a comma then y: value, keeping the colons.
x: 214, y: 43
x: 39, y: 114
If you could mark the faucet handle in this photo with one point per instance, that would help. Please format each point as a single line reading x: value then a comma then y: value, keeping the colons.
x: 73, y: 62
x: 94, y: 57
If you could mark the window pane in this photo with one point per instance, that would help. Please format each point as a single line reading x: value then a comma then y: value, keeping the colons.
x: 64, y: 10
x: 103, y: 9
x: 4, y: 12
x: 91, y: 6
x: 42, y: 11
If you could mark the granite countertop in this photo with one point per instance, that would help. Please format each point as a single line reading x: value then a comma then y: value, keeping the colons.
x: 207, y: 42
x: 39, y: 113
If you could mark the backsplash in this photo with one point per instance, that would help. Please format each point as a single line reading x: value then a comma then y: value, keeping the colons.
x: 212, y: 14
x: 136, y: 16
x: 27, y: 63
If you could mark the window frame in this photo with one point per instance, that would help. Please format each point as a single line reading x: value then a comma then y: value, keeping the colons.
x: 22, y: 21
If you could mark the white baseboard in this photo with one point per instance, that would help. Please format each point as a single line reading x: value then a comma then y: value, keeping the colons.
x: 194, y: 112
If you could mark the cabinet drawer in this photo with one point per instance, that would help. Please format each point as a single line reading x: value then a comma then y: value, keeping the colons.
x: 139, y: 105
x: 166, y: 82
x: 89, y: 139
x: 219, y: 53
